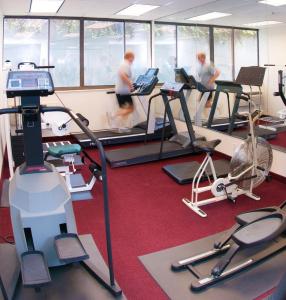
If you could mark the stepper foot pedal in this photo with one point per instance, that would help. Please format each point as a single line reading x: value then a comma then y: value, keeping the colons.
x: 69, y: 248
x: 34, y: 269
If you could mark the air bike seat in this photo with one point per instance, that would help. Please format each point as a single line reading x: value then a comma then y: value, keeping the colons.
x: 207, y: 146
x: 261, y: 228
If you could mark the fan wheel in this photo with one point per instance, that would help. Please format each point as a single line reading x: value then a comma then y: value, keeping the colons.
x: 243, y: 159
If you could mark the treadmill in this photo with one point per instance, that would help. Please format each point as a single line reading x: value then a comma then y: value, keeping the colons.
x: 251, y: 76
x: 179, y: 144
x: 277, y: 124
x: 223, y: 124
x: 226, y: 87
x: 183, y: 173
x: 144, y: 86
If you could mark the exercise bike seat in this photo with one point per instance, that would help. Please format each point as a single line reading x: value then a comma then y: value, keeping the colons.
x: 261, y: 231
x: 207, y: 146
x: 59, y: 151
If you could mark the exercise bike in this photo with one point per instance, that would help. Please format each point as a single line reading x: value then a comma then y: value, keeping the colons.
x: 249, y: 167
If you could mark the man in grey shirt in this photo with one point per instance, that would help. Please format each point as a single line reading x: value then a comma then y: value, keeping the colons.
x: 123, y: 89
x: 207, y: 74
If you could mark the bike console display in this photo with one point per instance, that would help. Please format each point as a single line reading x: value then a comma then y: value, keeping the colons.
x: 29, y: 83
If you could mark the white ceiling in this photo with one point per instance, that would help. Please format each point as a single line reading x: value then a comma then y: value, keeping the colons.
x: 243, y: 11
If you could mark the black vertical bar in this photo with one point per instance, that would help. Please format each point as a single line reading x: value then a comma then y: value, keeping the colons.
x: 169, y: 113
x: 49, y: 41
x: 81, y: 53
x: 213, y: 108
x: 234, y: 112
x: 211, y: 41
x: 233, y: 55
x: 124, y: 37
x: 33, y: 147
x: 258, y: 50
x: 176, y: 39
x: 151, y: 44
x: 187, y: 117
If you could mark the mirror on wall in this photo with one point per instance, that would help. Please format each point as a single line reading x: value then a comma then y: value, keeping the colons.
x: 234, y: 45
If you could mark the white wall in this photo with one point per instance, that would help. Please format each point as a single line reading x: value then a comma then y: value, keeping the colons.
x: 93, y: 104
x: 272, y: 51
x: 2, y: 131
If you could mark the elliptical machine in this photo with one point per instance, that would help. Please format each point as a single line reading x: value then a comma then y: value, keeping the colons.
x: 41, y: 209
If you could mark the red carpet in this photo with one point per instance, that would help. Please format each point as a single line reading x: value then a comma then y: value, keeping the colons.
x: 147, y: 215
x: 280, y: 140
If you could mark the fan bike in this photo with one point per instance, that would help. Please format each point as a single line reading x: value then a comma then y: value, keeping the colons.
x: 249, y: 167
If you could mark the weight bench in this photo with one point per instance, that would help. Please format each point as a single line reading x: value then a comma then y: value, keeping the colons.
x: 67, y: 153
x: 255, y: 228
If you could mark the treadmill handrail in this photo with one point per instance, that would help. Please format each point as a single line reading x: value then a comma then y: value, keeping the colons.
x: 148, y: 114
x: 280, y: 87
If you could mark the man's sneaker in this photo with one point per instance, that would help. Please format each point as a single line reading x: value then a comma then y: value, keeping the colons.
x: 124, y: 130
x: 111, y: 121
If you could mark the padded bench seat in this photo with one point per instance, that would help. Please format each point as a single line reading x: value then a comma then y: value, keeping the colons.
x: 59, y: 151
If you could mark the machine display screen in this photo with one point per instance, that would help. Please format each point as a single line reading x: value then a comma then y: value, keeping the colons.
x: 24, y: 81
x: 29, y: 82
x: 151, y: 72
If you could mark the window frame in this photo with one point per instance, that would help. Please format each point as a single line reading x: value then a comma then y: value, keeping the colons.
x: 152, y: 42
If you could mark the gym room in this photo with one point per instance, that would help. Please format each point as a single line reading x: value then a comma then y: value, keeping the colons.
x: 143, y: 149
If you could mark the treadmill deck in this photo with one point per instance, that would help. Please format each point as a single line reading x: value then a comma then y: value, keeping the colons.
x: 146, y: 153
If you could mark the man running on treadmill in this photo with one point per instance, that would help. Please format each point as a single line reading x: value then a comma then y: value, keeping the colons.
x: 208, y: 75
x: 123, y: 89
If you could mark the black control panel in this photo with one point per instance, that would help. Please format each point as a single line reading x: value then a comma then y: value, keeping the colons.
x: 145, y: 84
x: 29, y: 83
x: 190, y: 82
x: 172, y: 87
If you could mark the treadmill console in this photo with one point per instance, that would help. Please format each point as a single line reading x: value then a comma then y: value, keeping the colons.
x: 29, y: 83
x: 182, y: 76
x: 172, y: 87
x: 146, y: 83
x: 152, y: 72
x: 227, y: 83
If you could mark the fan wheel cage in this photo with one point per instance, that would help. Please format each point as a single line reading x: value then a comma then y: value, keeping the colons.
x: 243, y: 158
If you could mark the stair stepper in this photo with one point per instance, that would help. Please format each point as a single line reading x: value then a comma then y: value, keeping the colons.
x: 34, y: 269
x: 69, y: 248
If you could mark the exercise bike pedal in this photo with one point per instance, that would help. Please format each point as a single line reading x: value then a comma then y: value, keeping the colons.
x: 232, y: 199
x: 69, y: 248
x: 34, y: 269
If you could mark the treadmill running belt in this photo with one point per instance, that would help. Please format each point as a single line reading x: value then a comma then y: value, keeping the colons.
x: 145, y: 153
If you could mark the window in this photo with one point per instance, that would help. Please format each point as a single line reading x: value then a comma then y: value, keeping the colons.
x: 191, y: 40
x: 165, y: 51
x: 103, y: 51
x: 223, y: 52
x: 26, y: 40
x: 57, y: 41
x: 245, y: 49
x: 64, y: 52
x: 137, y: 39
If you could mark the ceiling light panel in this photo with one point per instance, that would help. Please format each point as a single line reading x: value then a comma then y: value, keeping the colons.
x: 209, y: 16
x: 262, y: 23
x: 46, y: 6
x: 274, y: 2
x: 136, y: 10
